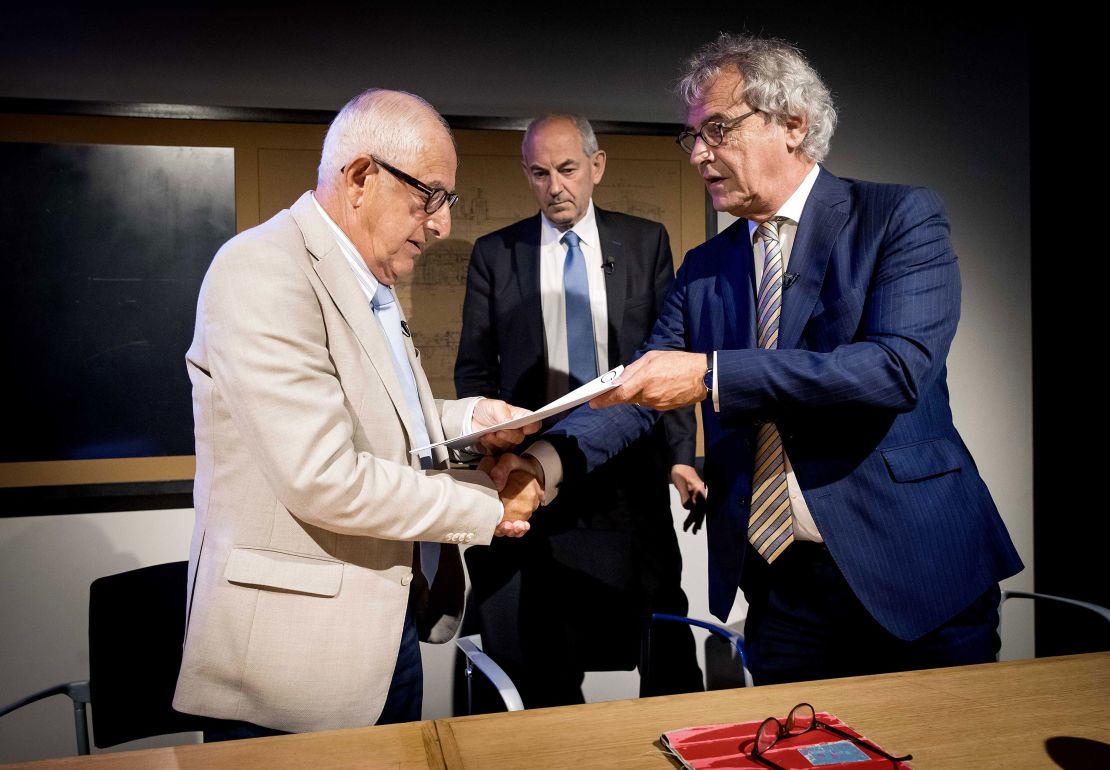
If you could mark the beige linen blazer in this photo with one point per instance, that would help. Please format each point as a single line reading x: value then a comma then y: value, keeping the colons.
x: 307, y: 498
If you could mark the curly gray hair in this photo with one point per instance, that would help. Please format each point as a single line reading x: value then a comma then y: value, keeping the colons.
x: 778, y: 81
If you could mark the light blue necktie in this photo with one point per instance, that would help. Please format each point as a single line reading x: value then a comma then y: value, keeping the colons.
x: 581, y: 346
x: 385, y: 310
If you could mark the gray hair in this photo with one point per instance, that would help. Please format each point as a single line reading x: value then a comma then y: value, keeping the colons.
x: 389, y: 124
x: 585, y: 130
x: 778, y: 81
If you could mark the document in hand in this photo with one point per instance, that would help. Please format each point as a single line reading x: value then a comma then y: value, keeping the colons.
x: 729, y: 746
x: 581, y: 395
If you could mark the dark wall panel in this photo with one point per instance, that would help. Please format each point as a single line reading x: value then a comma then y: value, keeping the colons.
x: 106, y: 248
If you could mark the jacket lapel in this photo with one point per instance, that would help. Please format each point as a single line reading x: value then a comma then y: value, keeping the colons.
x: 526, y: 268
x: 735, y: 289
x: 616, y: 280
x: 824, y: 216
x: 335, y: 274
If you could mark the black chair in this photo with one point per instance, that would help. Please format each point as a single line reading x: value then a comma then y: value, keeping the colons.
x: 136, y: 632
x: 1072, y: 614
x: 726, y: 663
x: 471, y: 647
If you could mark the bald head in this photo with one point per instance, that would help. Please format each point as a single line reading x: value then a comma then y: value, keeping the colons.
x: 382, y: 154
x: 393, y: 125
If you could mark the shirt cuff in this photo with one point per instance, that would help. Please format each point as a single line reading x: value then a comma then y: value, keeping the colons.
x: 474, y: 451
x: 552, y: 465
x: 468, y: 418
x: 716, y: 390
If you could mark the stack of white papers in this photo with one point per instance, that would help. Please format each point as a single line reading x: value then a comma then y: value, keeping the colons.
x: 605, y: 382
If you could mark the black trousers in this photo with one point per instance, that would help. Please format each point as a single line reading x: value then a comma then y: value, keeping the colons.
x: 804, y: 623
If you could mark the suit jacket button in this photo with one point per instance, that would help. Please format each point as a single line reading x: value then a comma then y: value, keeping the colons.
x: 469, y: 537
x: 406, y: 579
x: 742, y: 501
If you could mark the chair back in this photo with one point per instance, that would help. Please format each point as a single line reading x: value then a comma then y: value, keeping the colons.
x: 1086, y: 624
x: 136, y: 633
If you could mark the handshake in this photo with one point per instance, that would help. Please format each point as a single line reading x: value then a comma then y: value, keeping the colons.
x: 660, y: 379
x: 519, y: 480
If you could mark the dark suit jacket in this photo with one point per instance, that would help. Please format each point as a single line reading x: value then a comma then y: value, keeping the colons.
x: 858, y: 390
x: 615, y: 531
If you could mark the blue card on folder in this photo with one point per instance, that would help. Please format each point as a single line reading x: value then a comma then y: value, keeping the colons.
x: 840, y: 752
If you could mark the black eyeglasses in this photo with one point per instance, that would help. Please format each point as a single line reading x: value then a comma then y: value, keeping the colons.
x: 801, y: 720
x: 434, y: 197
x: 712, y: 133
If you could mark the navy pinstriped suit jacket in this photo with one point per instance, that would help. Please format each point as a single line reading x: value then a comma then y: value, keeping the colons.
x: 858, y: 390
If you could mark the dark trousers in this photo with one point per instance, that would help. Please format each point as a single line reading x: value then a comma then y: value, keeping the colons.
x: 556, y: 604
x: 804, y: 623
x: 403, y: 702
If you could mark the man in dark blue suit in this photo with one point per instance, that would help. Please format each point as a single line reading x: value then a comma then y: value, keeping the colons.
x: 814, y: 331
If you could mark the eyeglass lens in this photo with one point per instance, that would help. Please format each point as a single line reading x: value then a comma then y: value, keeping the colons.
x: 801, y: 719
x: 768, y: 734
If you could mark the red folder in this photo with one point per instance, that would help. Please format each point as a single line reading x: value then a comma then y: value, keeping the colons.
x: 729, y: 746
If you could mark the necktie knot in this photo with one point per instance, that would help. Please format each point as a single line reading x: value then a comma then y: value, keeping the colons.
x: 769, y: 230
x: 571, y: 239
x: 383, y: 297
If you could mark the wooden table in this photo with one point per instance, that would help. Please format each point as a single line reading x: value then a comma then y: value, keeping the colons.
x: 994, y: 715
x: 409, y: 746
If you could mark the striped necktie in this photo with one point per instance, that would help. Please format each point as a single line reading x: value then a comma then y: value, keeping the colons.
x: 770, y: 523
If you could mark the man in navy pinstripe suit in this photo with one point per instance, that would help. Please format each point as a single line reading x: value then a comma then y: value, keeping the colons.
x: 814, y: 331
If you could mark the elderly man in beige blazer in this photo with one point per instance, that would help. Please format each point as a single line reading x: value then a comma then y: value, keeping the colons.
x: 306, y: 589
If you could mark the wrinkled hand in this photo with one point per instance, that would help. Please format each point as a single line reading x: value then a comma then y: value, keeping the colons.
x: 491, y: 411
x: 519, y: 481
x: 687, y: 481
x: 661, y: 379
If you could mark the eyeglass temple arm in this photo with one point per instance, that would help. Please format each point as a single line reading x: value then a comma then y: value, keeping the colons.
x: 862, y: 741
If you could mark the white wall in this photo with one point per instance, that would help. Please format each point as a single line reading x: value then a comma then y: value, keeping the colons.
x: 46, y: 566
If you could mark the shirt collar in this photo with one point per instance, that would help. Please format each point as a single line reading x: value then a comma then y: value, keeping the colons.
x: 796, y: 203
x: 350, y: 252
x: 586, y: 228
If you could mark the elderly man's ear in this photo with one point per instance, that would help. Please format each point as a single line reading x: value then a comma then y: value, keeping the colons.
x: 357, y: 175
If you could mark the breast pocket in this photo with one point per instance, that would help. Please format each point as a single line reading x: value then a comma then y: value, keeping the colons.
x: 274, y: 570
x: 922, y: 460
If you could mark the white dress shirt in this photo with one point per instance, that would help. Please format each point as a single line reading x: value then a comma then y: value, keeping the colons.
x: 553, y: 254
x: 804, y: 526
